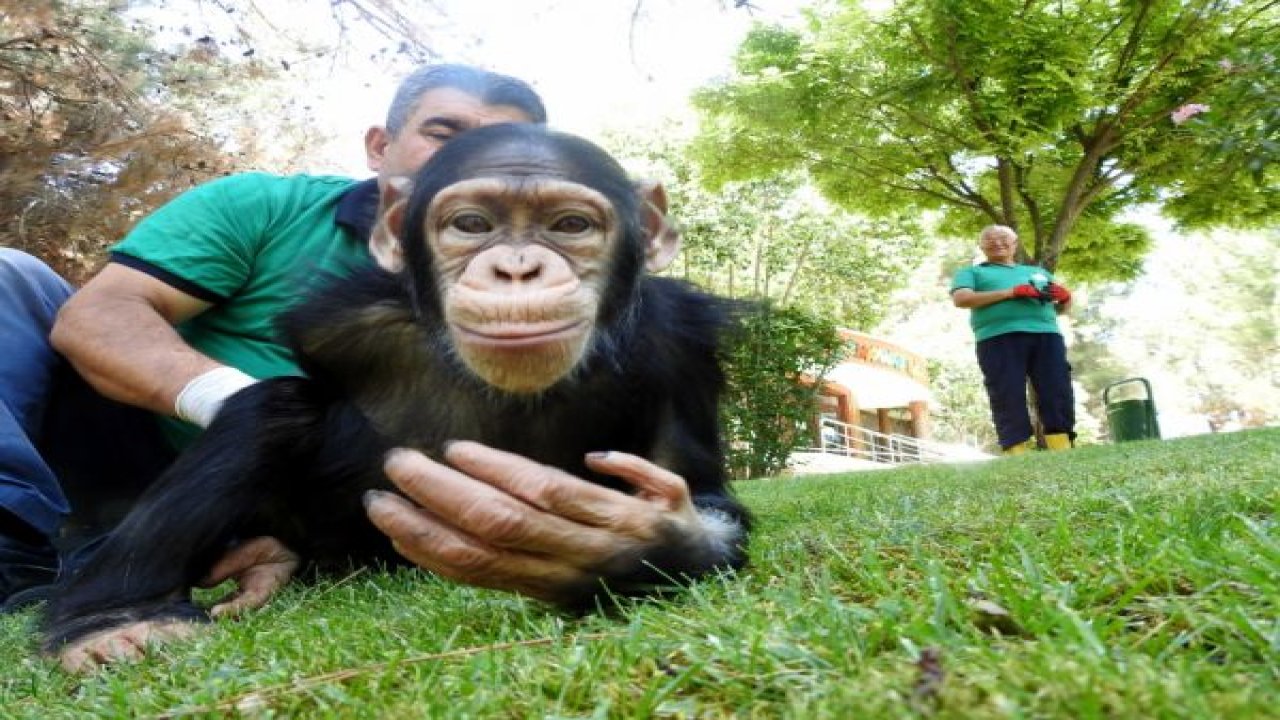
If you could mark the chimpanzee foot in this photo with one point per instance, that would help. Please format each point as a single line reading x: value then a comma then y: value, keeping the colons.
x: 126, y: 643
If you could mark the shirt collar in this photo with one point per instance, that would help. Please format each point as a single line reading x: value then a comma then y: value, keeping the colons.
x: 358, y: 208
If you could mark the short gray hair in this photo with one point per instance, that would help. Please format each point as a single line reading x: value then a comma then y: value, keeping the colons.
x: 997, y: 230
x: 489, y: 87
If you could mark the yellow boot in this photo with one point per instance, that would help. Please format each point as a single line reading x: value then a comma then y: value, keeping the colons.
x: 1058, y: 441
x: 1019, y: 448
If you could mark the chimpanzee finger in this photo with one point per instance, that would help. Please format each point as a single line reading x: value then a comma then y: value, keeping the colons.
x: 260, y: 566
x: 653, y: 481
x: 433, y: 545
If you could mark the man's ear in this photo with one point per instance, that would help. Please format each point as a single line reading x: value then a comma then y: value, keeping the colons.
x: 376, y: 140
x: 662, y: 240
x: 384, y: 241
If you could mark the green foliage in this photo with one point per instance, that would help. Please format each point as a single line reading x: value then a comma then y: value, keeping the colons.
x: 1136, y: 581
x: 1203, y: 323
x: 773, y: 239
x: 768, y: 408
x: 1240, y: 136
x: 1050, y: 117
x: 964, y: 415
x: 770, y: 241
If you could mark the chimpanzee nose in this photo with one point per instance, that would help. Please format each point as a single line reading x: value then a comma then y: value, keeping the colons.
x: 517, y: 267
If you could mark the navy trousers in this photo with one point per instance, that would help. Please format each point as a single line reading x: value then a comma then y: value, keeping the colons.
x: 62, y: 445
x: 1007, y: 362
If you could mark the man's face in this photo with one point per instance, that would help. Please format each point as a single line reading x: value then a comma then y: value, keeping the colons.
x: 999, y: 247
x: 440, y: 115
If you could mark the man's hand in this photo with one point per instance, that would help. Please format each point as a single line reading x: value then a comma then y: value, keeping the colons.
x: 501, y: 521
x: 1059, y: 294
x: 260, y: 567
x: 1026, y: 291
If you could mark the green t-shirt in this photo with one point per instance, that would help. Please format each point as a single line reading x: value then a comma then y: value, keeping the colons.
x: 249, y: 244
x: 1015, y: 314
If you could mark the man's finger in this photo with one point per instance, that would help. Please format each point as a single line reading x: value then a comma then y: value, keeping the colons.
x: 553, y: 490
x: 431, y: 544
x: 485, y: 512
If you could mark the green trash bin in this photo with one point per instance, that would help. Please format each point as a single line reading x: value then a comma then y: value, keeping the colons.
x: 1131, y: 418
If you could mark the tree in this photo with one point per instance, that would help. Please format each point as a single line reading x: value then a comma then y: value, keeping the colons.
x: 108, y: 108
x: 775, y: 239
x: 1202, y: 323
x: 93, y: 131
x: 807, y: 267
x: 1050, y: 117
x: 774, y: 369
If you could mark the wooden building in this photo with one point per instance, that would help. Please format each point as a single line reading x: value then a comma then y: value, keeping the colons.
x: 879, y: 386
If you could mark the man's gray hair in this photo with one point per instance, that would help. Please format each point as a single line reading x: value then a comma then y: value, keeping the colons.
x: 489, y: 87
x: 997, y: 230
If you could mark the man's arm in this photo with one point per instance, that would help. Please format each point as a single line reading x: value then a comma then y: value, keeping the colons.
x: 118, y: 333
x: 971, y: 299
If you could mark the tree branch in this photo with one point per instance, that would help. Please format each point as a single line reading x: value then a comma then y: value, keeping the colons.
x: 1022, y: 175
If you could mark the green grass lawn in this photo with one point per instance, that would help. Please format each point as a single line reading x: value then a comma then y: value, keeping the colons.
x: 1126, y: 581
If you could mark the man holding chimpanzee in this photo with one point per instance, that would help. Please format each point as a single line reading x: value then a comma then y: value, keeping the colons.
x: 182, y: 319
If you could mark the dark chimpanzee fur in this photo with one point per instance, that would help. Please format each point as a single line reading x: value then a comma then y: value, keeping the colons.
x: 291, y: 457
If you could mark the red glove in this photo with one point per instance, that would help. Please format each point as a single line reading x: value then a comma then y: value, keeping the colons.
x: 1059, y: 294
x: 1027, y: 291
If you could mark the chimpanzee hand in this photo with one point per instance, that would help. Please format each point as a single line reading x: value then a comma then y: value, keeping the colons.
x: 260, y: 567
x: 1059, y: 294
x: 1026, y: 291
x: 501, y: 521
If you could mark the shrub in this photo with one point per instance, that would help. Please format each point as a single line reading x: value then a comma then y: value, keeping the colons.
x: 774, y: 369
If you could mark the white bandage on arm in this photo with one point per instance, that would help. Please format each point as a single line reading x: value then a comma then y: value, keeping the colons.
x: 202, y: 398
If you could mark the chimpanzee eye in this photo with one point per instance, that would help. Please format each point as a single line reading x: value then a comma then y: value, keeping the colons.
x: 471, y: 223
x: 572, y: 225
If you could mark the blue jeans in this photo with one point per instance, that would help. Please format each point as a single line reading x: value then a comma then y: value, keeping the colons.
x: 30, y: 295
x: 62, y: 445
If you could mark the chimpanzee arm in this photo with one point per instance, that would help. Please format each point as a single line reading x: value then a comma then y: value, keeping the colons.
x: 499, y: 520
x: 685, y: 328
x: 183, y: 523
x: 690, y: 446
x: 677, y: 356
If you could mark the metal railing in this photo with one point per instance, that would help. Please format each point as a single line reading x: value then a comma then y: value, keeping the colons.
x: 855, y: 441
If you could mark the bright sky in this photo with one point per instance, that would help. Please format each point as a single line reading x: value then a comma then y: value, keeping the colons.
x: 592, y: 65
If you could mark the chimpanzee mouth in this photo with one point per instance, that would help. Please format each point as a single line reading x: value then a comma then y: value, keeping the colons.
x: 513, y: 337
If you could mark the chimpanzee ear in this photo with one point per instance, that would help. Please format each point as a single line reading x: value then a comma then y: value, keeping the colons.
x: 662, y: 240
x: 384, y: 241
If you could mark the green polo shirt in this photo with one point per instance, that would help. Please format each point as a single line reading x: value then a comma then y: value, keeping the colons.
x: 1015, y: 314
x: 249, y: 244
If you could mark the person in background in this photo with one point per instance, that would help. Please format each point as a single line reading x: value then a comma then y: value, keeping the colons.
x: 1014, y: 312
